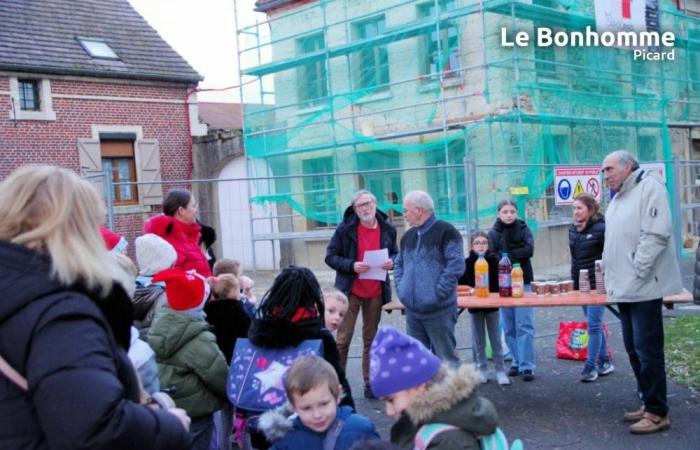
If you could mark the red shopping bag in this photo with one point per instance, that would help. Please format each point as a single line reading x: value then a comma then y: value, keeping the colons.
x: 572, y: 341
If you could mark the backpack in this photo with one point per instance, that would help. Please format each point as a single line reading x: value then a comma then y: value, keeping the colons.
x: 495, y: 441
x: 256, y: 376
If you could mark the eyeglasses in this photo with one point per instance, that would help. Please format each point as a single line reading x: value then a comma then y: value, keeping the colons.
x: 480, y: 243
x: 364, y: 205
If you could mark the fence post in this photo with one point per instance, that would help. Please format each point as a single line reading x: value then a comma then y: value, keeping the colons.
x: 677, y: 207
x: 474, y: 193
x: 467, y: 202
x: 108, y: 189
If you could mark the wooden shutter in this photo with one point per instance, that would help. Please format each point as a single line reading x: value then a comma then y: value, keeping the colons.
x: 90, y: 160
x: 148, y: 169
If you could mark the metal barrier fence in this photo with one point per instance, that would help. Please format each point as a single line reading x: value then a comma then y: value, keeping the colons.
x: 266, y: 227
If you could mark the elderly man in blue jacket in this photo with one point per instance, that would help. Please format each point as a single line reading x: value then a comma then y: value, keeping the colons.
x: 430, y: 261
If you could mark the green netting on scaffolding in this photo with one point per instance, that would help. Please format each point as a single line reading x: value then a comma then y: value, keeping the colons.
x: 393, y: 95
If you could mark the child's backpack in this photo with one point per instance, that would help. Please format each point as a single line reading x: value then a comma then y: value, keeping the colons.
x: 495, y: 441
x: 256, y: 376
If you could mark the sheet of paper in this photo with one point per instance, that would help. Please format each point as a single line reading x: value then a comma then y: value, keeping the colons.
x: 375, y: 259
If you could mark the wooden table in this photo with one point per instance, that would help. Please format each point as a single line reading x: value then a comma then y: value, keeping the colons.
x: 574, y: 298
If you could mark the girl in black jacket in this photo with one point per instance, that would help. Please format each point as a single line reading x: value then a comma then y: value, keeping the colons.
x: 586, y: 240
x: 484, y: 316
x: 512, y: 235
x: 225, y: 312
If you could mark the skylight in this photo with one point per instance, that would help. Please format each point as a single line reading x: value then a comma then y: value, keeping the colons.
x: 97, y: 48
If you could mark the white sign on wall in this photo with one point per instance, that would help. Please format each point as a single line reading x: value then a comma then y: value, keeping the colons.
x: 659, y: 168
x: 620, y: 15
x: 569, y: 182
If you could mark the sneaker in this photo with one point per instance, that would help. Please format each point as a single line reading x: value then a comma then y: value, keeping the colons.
x: 588, y: 375
x: 650, y: 423
x: 502, y: 378
x: 483, y: 379
x: 605, y: 369
x: 634, y: 416
x: 528, y: 375
x: 513, y: 371
x: 368, y: 393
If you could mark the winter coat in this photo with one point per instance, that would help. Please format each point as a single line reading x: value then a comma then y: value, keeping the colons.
x: 452, y: 401
x: 515, y: 239
x: 229, y: 321
x: 280, y: 333
x: 468, y: 277
x: 83, y: 392
x: 696, y: 283
x: 295, y: 435
x: 430, y: 261
x: 148, y: 298
x: 189, y: 359
x: 184, y: 238
x: 639, y: 253
x: 341, y: 252
x: 586, y: 247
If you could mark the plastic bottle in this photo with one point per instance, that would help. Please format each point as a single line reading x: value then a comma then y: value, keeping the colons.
x: 481, y: 276
x: 504, y: 268
x: 517, y: 280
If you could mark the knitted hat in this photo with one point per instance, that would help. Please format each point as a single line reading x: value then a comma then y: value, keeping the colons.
x: 184, y: 290
x: 113, y: 241
x: 153, y: 254
x: 399, y: 362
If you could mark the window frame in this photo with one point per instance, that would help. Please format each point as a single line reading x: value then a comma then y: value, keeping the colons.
x: 429, y: 55
x: 379, y: 55
x: 114, y: 154
x: 45, y: 103
x: 304, y: 92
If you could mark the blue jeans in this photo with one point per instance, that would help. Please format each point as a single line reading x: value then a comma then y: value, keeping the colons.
x: 437, y: 334
x: 597, y: 343
x: 643, y: 335
x: 519, y: 328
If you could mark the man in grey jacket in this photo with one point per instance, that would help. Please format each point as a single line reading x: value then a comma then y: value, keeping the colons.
x: 430, y: 261
x: 640, y: 269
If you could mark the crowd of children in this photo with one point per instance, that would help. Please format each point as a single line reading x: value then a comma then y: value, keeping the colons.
x: 186, y: 326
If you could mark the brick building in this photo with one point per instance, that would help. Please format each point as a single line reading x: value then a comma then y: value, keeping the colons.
x: 89, y: 85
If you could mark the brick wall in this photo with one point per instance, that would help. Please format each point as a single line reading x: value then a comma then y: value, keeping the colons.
x: 55, y: 142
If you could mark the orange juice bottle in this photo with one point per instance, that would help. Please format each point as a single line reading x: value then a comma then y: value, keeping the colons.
x: 481, y: 276
x: 517, y: 280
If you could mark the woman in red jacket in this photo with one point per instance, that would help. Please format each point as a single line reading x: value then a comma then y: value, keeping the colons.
x: 178, y: 225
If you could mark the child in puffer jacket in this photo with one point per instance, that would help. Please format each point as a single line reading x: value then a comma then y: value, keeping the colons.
x: 418, y: 391
x: 312, y: 420
x: 188, y: 358
x: 153, y: 254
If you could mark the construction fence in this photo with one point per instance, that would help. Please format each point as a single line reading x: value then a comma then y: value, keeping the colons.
x: 264, y: 233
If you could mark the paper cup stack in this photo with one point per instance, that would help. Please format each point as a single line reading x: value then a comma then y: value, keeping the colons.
x: 600, y: 277
x: 584, y: 284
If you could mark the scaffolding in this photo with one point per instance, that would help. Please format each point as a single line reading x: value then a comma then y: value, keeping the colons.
x: 358, y: 86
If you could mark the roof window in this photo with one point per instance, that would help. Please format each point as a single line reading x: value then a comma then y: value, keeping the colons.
x: 97, y: 48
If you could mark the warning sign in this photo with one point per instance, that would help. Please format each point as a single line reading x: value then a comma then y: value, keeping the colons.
x: 570, y: 182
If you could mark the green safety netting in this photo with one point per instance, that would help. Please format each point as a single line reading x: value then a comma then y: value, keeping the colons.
x: 337, y: 91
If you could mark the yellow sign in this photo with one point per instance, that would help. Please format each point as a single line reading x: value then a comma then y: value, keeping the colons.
x: 578, y: 190
x: 518, y: 190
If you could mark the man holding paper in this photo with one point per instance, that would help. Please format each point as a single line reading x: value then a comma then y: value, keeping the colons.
x: 362, y: 251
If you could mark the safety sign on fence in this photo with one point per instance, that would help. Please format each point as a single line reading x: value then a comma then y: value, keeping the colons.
x: 572, y: 181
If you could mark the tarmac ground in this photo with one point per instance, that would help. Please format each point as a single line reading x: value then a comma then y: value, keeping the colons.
x: 556, y: 411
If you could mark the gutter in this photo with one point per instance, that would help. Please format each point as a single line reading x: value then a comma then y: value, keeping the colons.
x: 100, y: 74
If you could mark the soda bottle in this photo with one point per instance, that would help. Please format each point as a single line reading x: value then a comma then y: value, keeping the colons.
x: 504, y: 267
x: 517, y: 281
x: 481, y: 276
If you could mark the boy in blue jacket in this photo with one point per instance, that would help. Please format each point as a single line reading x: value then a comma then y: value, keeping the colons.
x: 317, y: 422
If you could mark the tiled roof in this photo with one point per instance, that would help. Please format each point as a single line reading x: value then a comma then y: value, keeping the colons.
x: 267, y: 5
x: 41, y: 36
x: 221, y: 116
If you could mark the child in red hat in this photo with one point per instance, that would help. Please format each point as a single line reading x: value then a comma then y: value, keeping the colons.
x: 187, y: 354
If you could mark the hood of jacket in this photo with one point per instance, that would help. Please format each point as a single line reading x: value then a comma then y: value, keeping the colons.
x: 171, y: 331
x: 277, y: 332
x: 451, y: 401
x: 163, y: 225
x: 500, y: 226
x: 277, y: 422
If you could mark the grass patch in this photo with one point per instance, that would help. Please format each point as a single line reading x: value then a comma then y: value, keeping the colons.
x: 682, y: 342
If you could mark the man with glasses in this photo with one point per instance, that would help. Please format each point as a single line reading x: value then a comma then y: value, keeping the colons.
x: 430, y: 261
x: 363, y: 228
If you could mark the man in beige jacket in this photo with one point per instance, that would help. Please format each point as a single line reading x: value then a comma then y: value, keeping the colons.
x: 640, y: 269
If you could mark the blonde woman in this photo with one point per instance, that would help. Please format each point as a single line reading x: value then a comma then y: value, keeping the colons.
x: 81, y: 390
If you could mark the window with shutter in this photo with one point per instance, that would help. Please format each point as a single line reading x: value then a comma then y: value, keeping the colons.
x: 119, y: 165
x: 90, y: 160
x: 148, y: 170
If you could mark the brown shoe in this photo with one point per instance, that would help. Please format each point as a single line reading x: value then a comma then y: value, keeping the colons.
x: 650, y: 423
x: 634, y: 416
